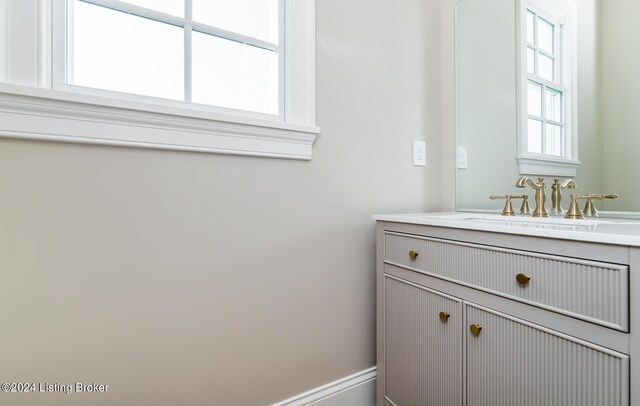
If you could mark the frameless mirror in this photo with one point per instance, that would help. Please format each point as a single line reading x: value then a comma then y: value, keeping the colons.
x: 542, y: 91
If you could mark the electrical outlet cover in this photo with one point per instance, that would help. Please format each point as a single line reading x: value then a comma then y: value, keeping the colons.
x: 419, y: 153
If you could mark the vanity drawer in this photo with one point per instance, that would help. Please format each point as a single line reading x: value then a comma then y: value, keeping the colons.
x: 593, y: 291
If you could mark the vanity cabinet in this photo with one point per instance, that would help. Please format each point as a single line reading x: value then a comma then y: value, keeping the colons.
x: 512, y: 362
x: 478, y: 318
x: 422, y: 345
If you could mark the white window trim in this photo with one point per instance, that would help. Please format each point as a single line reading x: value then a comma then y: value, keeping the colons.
x: 541, y: 164
x: 72, y: 114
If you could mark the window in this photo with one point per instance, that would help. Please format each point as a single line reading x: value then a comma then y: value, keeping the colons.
x: 234, y: 76
x: 545, y: 93
x: 121, y: 46
x: 547, y: 101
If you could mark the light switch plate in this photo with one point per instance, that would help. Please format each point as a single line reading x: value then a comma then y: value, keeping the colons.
x: 419, y: 153
x: 462, y: 158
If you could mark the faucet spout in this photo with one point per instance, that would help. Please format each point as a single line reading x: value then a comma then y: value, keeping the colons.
x: 541, y: 195
x: 524, y: 180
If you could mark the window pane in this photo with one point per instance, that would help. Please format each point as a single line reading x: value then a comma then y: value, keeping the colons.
x: 545, y: 67
x: 553, y: 104
x: 531, y: 61
x: 234, y: 75
x: 255, y: 18
x: 530, y: 20
x: 534, y: 136
x: 545, y: 35
x: 125, y: 53
x: 534, y: 99
x: 173, y: 7
x: 553, y: 142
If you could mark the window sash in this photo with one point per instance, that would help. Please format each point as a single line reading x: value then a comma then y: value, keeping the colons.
x: 554, y: 85
x: 62, y: 54
x: 556, y: 55
x: 544, y: 116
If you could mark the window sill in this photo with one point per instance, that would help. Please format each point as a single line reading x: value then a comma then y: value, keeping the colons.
x: 52, y: 115
x: 547, y: 166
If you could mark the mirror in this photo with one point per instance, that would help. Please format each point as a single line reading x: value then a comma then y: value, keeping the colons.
x: 606, y: 115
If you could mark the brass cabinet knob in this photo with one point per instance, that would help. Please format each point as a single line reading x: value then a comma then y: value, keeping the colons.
x: 523, y: 279
x: 444, y: 316
x: 475, y: 329
x: 413, y: 254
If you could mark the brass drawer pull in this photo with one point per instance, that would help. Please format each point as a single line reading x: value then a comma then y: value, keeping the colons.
x: 413, y: 254
x: 475, y: 329
x: 523, y: 279
x: 444, y: 316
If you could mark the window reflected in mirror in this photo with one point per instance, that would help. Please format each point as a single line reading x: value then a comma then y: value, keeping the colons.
x: 546, y: 40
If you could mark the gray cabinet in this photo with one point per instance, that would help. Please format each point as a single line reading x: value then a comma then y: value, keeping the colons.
x: 512, y: 362
x: 590, y: 290
x: 423, y: 342
x: 560, y: 336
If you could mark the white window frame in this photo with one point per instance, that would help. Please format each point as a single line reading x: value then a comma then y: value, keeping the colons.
x: 555, y: 85
x: 39, y: 104
x: 562, y: 14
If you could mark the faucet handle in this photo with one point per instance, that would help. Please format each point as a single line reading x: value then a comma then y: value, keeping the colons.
x: 589, y: 208
x: 599, y: 196
x: 574, y: 211
x: 524, y: 209
x: 508, y: 208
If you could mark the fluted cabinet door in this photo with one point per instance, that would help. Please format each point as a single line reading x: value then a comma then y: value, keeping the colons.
x: 423, y: 350
x: 512, y: 362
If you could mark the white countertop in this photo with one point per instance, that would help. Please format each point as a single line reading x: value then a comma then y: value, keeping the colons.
x: 602, y: 230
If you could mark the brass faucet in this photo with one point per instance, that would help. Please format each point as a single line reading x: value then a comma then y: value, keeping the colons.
x: 556, y: 194
x: 589, y: 209
x: 541, y: 195
x: 508, y: 208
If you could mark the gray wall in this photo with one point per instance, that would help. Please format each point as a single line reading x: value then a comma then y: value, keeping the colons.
x: 590, y: 62
x: 191, y: 279
x: 486, y: 109
x: 621, y: 98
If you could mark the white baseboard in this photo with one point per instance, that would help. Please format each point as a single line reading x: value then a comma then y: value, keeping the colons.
x: 358, y: 389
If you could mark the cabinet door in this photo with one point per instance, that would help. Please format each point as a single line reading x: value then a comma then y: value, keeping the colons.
x: 512, y: 362
x: 423, y: 349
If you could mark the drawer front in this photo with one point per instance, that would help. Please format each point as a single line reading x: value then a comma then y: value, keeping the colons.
x: 589, y: 290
